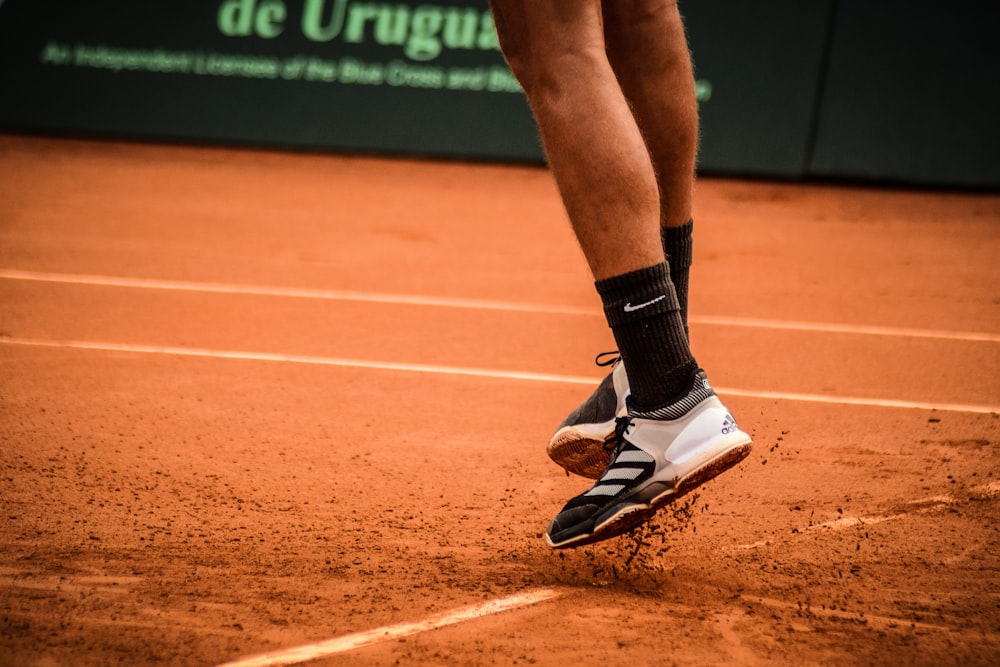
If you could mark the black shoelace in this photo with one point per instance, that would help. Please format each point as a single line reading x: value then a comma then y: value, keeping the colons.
x: 621, y: 427
x: 608, y: 358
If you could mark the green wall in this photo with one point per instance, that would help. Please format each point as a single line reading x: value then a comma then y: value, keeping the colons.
x: 871, y: 89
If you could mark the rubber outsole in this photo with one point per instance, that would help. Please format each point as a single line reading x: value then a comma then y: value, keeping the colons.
x: 580, y: 453
x: 634, y: 515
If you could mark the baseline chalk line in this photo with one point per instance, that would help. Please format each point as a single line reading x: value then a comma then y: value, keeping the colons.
x: 474, y: 372
x: 387, y: 633
x: 474, y: 304
x: 874, y: 621
x: 919, y: 506
x: 293, y: 292
x: 301, y: 359
x: 856, y: 329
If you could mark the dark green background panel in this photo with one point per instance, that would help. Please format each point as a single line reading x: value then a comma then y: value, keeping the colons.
x: 913, y: 94
x: 762, y: 60
x: 863, y: 89
x: 760, y: 64
x: 408, y: 119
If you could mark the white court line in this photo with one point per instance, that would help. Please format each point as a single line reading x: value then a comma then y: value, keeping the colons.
x: 361, y: 639
x: 868, y: 402
x: 923, y: 505
x: 877, y: 622
x: 847, y: 328
x: 301, y: 359
x: 474, y: 372
x: 294, y: 292
x: 475, y: 304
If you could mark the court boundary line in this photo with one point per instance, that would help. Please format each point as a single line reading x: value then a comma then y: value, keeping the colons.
x: 910, y: 508
x: 874, y: 621
x: 292, y: 292
x: 474, y: 304
x: 357, y: 640
x: 471, y: 372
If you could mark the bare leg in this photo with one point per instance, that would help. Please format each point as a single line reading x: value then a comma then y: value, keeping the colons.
x: 596, y: 153
x: 676, y: 434
x: 648, y: 50
x: 557, y: 50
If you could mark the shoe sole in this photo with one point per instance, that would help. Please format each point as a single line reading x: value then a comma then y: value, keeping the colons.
x: 633, y: 516
x: 582, y: 453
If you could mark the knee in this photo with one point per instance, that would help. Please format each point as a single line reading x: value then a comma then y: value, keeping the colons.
x: 549, y: 75
x: 516, y: 34
x: 512, y: 32
x: 545, y: 43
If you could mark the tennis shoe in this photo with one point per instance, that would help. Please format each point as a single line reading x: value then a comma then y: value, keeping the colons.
x: 660, y: 455
x: 584, y: 441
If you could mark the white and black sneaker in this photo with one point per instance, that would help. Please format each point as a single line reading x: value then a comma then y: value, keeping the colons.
x: 660, y: 455
x: 584, y: 441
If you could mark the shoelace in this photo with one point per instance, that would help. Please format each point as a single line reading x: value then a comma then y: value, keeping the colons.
x: 613, y: 357
x: 622, y: 425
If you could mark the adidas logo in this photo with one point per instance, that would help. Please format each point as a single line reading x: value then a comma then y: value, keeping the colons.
x: 729, y: 425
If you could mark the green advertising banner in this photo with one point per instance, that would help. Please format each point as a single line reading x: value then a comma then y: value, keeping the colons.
x: 870, y: 89
x: 342, y: 74
x: 758, y: 65
x: 376, y: 77
x: 912, y: 94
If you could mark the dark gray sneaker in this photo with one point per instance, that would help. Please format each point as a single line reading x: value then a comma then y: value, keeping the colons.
x: 660, y: 455
x: 584, y: 441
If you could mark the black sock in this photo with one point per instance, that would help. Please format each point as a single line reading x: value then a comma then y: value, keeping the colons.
x: 677, y: 247
x: 642, y: 309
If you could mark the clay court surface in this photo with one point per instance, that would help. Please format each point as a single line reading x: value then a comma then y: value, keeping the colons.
x: 264, y: 403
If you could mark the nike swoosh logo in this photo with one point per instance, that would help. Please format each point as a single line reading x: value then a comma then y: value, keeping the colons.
x: 629, y: 308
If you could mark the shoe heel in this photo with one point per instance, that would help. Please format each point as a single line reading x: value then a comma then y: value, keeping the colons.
x: 713, y: 468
